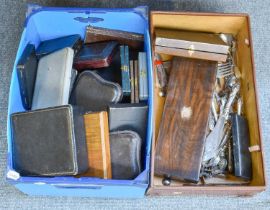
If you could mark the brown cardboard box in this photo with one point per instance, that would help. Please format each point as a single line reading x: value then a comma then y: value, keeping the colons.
x: 238, y: 25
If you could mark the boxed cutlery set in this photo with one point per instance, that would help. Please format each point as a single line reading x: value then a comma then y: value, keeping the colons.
x: 100, y: 106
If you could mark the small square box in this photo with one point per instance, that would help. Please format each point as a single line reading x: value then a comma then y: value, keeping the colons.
x: 49, y: 142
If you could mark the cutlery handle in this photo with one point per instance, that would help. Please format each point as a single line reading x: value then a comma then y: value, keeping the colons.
x: 230, y: 101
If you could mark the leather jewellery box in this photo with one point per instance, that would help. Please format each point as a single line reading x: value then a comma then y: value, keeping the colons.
x: 27, y: 70
x: 53, y: 79
x: 95, y: 55
x: 239, y: 26
x: 93, y: 93
x: 129, y: 117
x: 62, y: 22
x: 125, y: 154
x: 49, y: 142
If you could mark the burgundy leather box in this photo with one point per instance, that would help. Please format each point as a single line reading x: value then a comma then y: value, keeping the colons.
x: 95, y: 55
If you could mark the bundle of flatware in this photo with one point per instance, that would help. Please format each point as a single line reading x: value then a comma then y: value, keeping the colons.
x: 226, y: 104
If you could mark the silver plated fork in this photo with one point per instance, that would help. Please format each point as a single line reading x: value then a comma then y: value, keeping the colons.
x: 225, y: 69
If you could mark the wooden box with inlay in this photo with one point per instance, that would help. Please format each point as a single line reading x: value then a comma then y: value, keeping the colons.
x: 185, y: 117
x: 239, y: 26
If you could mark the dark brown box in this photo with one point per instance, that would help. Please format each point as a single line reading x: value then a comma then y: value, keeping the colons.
x: 98, y: 34
x: 238, y: 25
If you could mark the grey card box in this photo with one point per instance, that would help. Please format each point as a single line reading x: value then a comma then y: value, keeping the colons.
x: 53, y: 79
x: 143, y: 84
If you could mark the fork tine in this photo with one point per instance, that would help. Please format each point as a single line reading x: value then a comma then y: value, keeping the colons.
x: 225, y: 69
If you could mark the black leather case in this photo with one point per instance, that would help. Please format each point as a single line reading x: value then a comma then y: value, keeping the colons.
x: 49, y: 142
x: 241, y: 153
x: 125, y: 154
x: 93, y: 93
x: 111, y: 73
x: 129, y: 117
x: 26, y: 72
x: 52, y: 45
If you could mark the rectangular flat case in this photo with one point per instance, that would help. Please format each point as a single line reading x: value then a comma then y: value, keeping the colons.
x: 241, y: 153
x: 206, y: 42
x: 52, y: 45
x: 183, y: 127
x: 125, y: 71
x: 98, y: 34
x: 53, y: 80
x: 95, y: 55
x: 136, y: 81
x: 189, y: 44
x: 129, y: 117
x: 26, y: 72
x: 49, y: 142
x: 74, y: 21
x: 143, y: 83
x: 132, y: 81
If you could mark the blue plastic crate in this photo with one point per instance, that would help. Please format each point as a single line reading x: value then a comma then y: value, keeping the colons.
x: 44, y: 23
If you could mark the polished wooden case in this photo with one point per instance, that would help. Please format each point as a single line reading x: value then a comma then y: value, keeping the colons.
x: 98, y: 34
x: 98, y: 145
x: 183, y: 127
x: 207, y: 46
